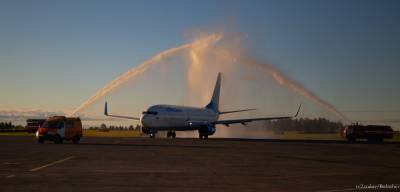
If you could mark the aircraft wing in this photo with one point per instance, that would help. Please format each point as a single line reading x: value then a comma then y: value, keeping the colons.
x: 244, y: 121
x: 117, y: 116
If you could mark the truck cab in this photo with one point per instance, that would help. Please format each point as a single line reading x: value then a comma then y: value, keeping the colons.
x: 60, y: 128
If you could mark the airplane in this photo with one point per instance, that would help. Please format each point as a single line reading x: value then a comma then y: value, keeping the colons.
x: 173, y: 118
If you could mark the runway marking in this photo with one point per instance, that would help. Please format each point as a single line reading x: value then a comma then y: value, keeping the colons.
x: 141, y: 171
x: 338, y: 190
x: 10, y: 176
x: 51, y: 164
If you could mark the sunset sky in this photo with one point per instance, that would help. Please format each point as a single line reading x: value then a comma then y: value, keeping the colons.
x: 345, y: 51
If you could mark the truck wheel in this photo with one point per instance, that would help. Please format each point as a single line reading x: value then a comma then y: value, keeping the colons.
x: 351, y: 139
x: 40, y: 140
x: 76, y: 139
x: 203, y: 136
x: 58, y: 139
x: 375, y: 140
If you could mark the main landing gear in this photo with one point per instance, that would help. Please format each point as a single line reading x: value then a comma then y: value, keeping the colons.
x: 171, y: 134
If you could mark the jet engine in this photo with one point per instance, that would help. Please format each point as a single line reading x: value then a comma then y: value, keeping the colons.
x: 210, y: 129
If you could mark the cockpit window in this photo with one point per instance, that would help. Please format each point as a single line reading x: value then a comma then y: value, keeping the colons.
x: 150, y: 112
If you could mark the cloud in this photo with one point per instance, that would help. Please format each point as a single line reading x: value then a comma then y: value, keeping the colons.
x: 18, y: 113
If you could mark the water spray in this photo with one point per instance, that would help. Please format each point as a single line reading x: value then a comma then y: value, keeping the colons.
x: 294, y: 86
x: 142, y: 68
x: 198, y: 50
x: 227, y: 56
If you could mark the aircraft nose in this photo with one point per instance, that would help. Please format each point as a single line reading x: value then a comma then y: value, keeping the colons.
x: 144, y: 119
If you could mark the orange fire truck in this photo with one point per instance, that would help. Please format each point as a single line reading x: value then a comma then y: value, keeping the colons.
x: 60, y: 128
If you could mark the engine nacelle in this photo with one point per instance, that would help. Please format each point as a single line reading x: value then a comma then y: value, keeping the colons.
x: 207, y: 130
x: 211, y: 129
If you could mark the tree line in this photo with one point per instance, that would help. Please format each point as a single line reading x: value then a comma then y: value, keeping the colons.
x: 306, y: 125
x: 8, y: 126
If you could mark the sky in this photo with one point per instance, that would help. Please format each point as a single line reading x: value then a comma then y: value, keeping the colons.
x: 345, y: 51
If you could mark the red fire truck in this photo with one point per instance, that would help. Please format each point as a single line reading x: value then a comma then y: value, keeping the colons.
x: 373, y: 133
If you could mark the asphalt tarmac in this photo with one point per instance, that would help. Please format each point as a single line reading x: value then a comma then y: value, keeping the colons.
x: 143, y: 164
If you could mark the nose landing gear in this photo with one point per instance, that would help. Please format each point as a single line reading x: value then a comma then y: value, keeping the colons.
x: 203, y: 136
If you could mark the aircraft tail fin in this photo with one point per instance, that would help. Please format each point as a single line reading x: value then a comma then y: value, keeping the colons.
x: 214, y: 103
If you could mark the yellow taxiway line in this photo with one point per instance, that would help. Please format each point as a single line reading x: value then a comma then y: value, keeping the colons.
x: 51, y: 164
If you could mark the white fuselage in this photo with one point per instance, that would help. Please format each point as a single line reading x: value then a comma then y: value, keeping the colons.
x: 176, y: 118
